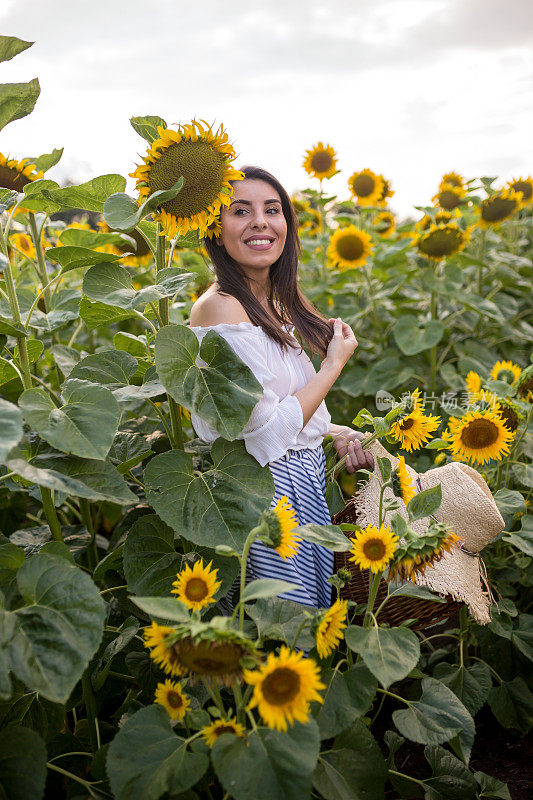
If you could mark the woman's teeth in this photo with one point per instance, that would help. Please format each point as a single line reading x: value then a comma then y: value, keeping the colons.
x: 254, y: 242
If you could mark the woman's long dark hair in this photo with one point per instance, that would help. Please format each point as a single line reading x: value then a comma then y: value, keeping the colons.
x: 313, y: 329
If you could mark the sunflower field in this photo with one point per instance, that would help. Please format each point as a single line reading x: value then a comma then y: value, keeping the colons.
x: 120, y: 530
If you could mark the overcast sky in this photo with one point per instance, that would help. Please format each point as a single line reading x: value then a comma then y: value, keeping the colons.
x: 408, y: 88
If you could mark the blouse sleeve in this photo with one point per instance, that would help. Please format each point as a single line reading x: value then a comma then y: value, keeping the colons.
x: 274, y: 423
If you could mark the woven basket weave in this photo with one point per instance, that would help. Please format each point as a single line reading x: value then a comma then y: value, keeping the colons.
x: 398, y: 609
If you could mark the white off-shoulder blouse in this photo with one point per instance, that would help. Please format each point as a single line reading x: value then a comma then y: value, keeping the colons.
x: 275, y: 425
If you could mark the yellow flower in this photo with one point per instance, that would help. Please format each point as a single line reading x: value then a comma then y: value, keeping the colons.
x: 419, y: 551
x: 449, y: 196
x: 505, y: 371
x: 373, y: 548
x: 473, y: 383
x: 498, y: 207
x: 480, y: 436
x: 414, y: 429
x: 524, y: 384
x: 453, y: 179
x: 211, y: 732
x: 403, y: 485
x: 442, y: 240
x: 216, y: 655
x: 366, y: 187
x: 282, y: 522
x: 23, y: 243
x: 328, y: 632
x: 349, y: 247
x: 214, y: 229
x: 156, y: 637
x: 525, y: 186
x: 283, y: 688
x: 15, y: 175
x: 203, y: 158
x: 169, y: 694
x: 197, y: 587
x: 386, y: 193
x: 385, y: 223
x: 320, y: 161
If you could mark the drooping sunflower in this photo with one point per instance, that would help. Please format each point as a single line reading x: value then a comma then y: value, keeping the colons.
x: 197, y: 587
x: 24, y: 244
x: 418, y: 551
x: 211, y: 732
x: 402, y: 484
x: 283, y: 688
x: 385, y: 223
x: 449, y: 196
x: 498, y: 207
x: 349, y: 247
x: 329, y: 626
x: 510, y: 412
x: 473, y: 383
x: 170, y: 695
x: 525, y: 186
x: 373, y: 547
x: 366, y: 187
x: 524, y: 384
x: 414, y: 429
x: 442, y: 240
x: 479, y: 436
x: 281, y: 522
x: 320, y: 161
x: 203, y: 157
x: 214, y: 654
x: 453, y: 179
x: 439, y: 217
x: 160, y: 638
x: 386, y: 193
x: 15, y: 175
x: 506, y: 371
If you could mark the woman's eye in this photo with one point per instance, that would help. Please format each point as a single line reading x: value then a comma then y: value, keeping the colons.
x: 239, y: 209
x: 274, y: 209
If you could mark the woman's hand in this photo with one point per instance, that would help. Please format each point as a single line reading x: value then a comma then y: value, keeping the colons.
x: 341, y: 346
x: 347, y: 442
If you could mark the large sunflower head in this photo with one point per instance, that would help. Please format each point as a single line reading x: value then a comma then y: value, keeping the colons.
x: 284, y: 687
x: 442, y: 240
x: 212, y: 732
x: 281, y: 522
x: 479, y: 436
x: 524, y: 384
x: 402, y: 485
x: 506, y: 371
x: 213, y: 652
x: 386, y: 193
x: 328, y: 627
x: 414, y: 429
x: 525, y: 186
x: 449, y: 196
x: 24, y: 244
x: 453, y: 179
x: 416, y: 552
x: 349, y: 247
x: 366, y: 187
x: 196, y: 587
x: 15, y: 175
x: 498, y: 207
x: 203, y: 157
x: 170, y: 695
x: 385, y: 223
x: 439, y: 217
x: 320, y: 161
x: 373, y: 547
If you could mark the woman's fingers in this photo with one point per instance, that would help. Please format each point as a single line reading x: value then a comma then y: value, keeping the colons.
x: 357, y: 458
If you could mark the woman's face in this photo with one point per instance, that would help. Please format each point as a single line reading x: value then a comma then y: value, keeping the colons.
x: 253, y: 227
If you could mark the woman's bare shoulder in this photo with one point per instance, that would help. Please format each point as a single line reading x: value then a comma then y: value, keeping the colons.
x: 213, y: 308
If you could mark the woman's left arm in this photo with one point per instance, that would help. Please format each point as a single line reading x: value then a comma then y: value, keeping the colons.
x: 347, y: 442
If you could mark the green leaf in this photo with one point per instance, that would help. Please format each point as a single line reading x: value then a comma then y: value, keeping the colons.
x: 111, y: 284
x: 280, y: 619
x: 509, y: 501
x: 147, y: 127
x: 268, y: 764
x: 414, y: 336
x: 110, y: 368
x: 164, y: 608
x: 389, y: 653
x: 223, y: 393
x: 122, y: 213
x: 480, y: 305
x: 424, y: 503
x: 130, y: 344
x: 150, y: 559
x: 10, y: 47
x: 330, y: 536
x: 47, y: 160
x: 97, y: 314
x: 450, y: 779
x: 471, y: 686
x: 10, y: 427
x: 58, y: 631
x: 491, y: 787
x: 35, y: 200
x: 84, y: 426
x: 266, y: 587
x: 20, y: 748
x: 523, y: 474
x: 512, y: 704
x: 118, y: 643
x: 414, y: 590
x: 7, y: 371
x: 146, y: 759
x: 79, y: 237
x: 89, y: 196
x: 8, y: 327
x: 71, y: 257
x: 522, y: 637
x: 81, y: 477
x: 353, y: 768
x: 17, y: 100
x: 347, y: 697
x: 64, y: 307
x: 219, y: 506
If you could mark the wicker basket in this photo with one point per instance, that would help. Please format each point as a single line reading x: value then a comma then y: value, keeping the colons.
x: 398, y: 609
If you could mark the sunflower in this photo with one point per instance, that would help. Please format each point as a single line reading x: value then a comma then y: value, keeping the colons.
x: 281, y: 521
x: 442, y: 240
x: 524, y: 384
x: 453, y: 179
x: 386, y: 192
x: 24, y: 244
x: 373, y: 548
x: 312, y: 222
x: 440, y: 216
x: 402, y: 485
x: 505, y: 371
x: 366, y: 187
x: 329, y: 626
x: 473, y: 383
x: 449, y: 196
x: 203, y: 158
x: 498, y: 207
x: 320, y: 161
x: 214, y: 654
x: 414, y: 429
x: 283, y: 688
x: 15, y: 175
x: 211, y: 732
x: 349, y: 247
x: 525, y: 186
x: 157, y: 637
x: 385, y: 223
x: 416, y: 552
x: 196, y: 587
x: 214, y: 229
x: 510, y: 413
x: 170, y: 695
x: 480, y: 436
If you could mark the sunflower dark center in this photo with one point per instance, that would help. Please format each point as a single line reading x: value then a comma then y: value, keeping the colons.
x: 441, y: 242
x: 210, y: 658
x: 479, y: 433
x: 321, y: 161
x: 524, y: 187
x: 12, y: 179
x: 509, y: 417
x: 281, y: 686
x: 196, y: 589
x: 449, y: 199
x: 203, y: 169
x: 526, y: 387
x: 350, y: 247
x: 363, y: 185
x: 374, y: 549
x: 220, y: 729
x: 174, y: 699
x: 497, y: 208
x: 407, y: 423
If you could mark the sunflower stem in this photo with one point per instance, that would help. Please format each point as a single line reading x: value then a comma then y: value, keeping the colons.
x: 51, y: 514
x: 159, y: 265
x: 215, y: 696
x: 250, y: 539
x: 433, y: 351
x: 90, y: 705
x: 373, y: 590
x: 298, y: 632
x: 175, y: 419
x: 480, y: 256
x: 22, y: 346
x: 92, y: 553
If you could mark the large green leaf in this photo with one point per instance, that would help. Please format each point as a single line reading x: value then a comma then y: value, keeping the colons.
x: 10, y: 47
x: 512, y: 704
x: 10, y: 427
x: 219, y: 506
x: 389, y: 653
x: 414, y: 336
x: 164, y: 608
x: 111, y: 284
x: 17, y: 100
x: 81, y: 477
x: 84, y: 426
x: 146, y: 759
x: 59, y: 629
x: 223, y: 393
x: 79, y: 237
x: 46, y: 161
x: 330, y: 536
x: 150, y: 559
x: 353, y: 769
x: 35, y: 199
x: 147, y: 127
x: 268, y: 764
x: 20, y: 748
x: 450, y: 778
x: 97, y: 314
x: 265, y: 588
x: 72, y: 257
x: 277, y: 618
x: 89, y: 196
x: 347, y: 697
x: 424, y: 503
x: 471, y: 685
x: 122, y: 213
x: 111, y: 368
x: 64, y: 307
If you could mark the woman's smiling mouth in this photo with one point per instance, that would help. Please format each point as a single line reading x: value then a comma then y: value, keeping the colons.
x: 259, y: 243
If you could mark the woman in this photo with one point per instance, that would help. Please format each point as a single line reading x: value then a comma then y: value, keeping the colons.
x: 255, y: 305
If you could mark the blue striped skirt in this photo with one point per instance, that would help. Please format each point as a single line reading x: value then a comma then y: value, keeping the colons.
x: 300, y: 476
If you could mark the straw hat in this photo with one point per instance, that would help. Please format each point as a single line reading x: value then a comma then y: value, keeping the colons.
x: 467, y: 507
